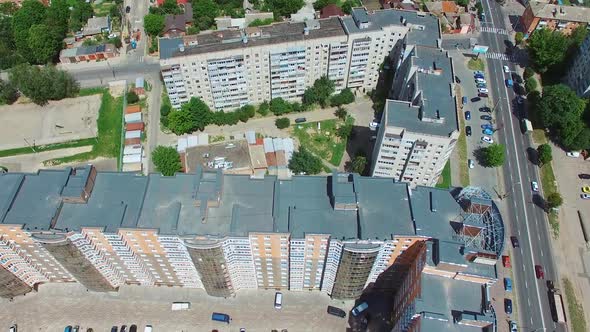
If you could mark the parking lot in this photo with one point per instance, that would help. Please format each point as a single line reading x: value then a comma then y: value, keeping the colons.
x: 69, y: 119
x: 58, y: 305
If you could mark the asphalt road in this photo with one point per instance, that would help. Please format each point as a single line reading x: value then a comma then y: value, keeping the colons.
x: 528, y: 221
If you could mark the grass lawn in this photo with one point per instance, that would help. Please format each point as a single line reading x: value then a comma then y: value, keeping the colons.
x: 476, y: 64
x: 445, y: 177
x: 575, y: 309
x: 48, y: 147
x: 110, y: 126
x: 323, y: 143
x: 539, y: 136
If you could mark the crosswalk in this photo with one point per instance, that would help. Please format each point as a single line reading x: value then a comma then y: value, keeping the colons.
x: 499, y: 56
x: 494, y: 30
x: 141, y: 58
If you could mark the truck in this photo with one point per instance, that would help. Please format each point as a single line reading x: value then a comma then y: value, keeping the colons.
x: 556, y: 303
x: 181, y: 306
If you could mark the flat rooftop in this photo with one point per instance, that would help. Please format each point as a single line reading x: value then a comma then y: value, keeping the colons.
x: 561, y: 13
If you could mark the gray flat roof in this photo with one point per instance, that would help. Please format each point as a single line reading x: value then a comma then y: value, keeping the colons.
x: 276, y: 33
x: 425, y: 29
x: 435, y: 92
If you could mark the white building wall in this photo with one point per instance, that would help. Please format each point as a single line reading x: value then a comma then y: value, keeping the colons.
x: 180, y: 260
x: 296, y: 264
x: 381, y: 262
x: 332, y: 262
x: 136, y: 268
x: 240, y: 263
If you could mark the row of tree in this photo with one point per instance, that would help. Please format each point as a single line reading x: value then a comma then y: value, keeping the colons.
x: 550, y: 51
x: 40, y: 84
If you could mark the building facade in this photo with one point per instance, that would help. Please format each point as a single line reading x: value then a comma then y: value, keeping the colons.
x: 419, y: 127
x: 578, y: 75
x: 550, y: 15
x: 230, y: 68
x: 223, y: 233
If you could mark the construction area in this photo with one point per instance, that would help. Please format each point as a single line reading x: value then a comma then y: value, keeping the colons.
x: 30, y: 125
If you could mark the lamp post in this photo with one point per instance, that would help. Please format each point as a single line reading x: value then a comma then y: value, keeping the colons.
x: 506, y: 194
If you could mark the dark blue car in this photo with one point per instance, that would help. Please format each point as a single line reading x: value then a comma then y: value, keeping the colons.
x: 467, y: 115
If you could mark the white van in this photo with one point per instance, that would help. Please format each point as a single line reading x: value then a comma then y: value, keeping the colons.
x: 278, y: 300
x: 148, y: 328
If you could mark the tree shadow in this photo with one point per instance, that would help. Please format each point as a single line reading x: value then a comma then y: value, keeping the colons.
x: 540, y: 201
x: 361, y: 142
x: 533, y: 156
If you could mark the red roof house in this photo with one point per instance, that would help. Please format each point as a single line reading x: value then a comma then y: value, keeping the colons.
x: 331, y: 10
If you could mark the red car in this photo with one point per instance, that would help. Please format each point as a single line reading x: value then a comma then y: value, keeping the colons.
x: 539, y: 272
x: 506, y: 261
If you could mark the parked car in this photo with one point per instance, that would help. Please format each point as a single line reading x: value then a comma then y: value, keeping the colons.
x: 68, y: 328
x: 506, y: 261
x: 483, y: 90
x: 486, y: 117
x: 485, y: 109
x: 475, y: 99
x: 457, y: 79
x: 300, y: 120
x: 487, y: 139
x: 519, y: 89
x: 487, y: 125
x: 359, y: 309
x: 481, y: 85
x: 519, y: 100
x: 115, y: 329
x: 127, y: 9
x: 480, y: 80
x: 470, y: 163
x: 516, y: 78
x: 468, y: 130
x: 467, y: 115
x: 514, y: 241
x: 539, y: 272
x: 336, y: 311
x: 508, y: 306
x: 573, y: 154
x: 535, y: 186
x: 479, y: 75
x: 586, y: 189
x: 513, y: 327
x: 123, y: 328
x: 475, y: 72
x: 509, y: 83
x: 483, y: 95
x: 506, y: 69
x: 76, y: 328
x: 584, y: 176
x: 464, y: 100
x: 133, y: 328
x: 585, y: 196
x: 508, y: 284
x: 487, y: 131
x: 13, y: 328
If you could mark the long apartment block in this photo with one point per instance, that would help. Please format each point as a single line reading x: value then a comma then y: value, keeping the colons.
x: 222, y: 233
x: 419, y: 126
x: 231, y: 68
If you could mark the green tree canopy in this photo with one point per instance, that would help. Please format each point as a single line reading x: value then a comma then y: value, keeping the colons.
x: 8, y: 93
x: 167, y: 160
x: 319, y: 4
x: 132, y: 97
x: 344, y: 131
x: 544, y: 153
x: 284, y: 7
x: 282, y: 123
x: 530, y: 84
x: 58, y: 16
x: 8, y: 8
x: 561, y: 111
x: 42, y: 84
x: 518, y: 38
x: 204, y: 13
x: 358, y: 164
x: 554, y: 200
x: 80, y: 14
x: 344, y: 97
x: 44, y: 43
x: 280, y: 106
x: 31, y: 13
x: 303, y: 161
x: 546, y: 48
x: 181, y: 122
x: 153, y: 24
x: 264, y: 108
x: 349, y: 4
x: 493, y: 155
x: 165, y: 109
x: 341, y: 113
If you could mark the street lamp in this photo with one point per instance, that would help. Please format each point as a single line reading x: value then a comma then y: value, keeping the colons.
x: 506, y: 194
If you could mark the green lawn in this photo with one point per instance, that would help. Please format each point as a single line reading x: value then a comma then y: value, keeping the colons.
x: 444, y: 181
x: 323, y: 143
x: 110, y: 126
x: 48, y: 147
x: 575, y: 309
x: 476, y: 64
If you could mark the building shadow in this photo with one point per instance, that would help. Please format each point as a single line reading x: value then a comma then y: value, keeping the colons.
x: 361, y: 143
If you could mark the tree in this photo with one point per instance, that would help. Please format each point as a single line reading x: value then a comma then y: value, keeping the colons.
x: 41, y: 84
x: 348, y: 5
x: 8, y: 93
x: 284, y: 7
x: 167, y: 160
x: 561, y: 111
x: 341, y: 113
x: 193, y: 30
x: 546, y: 48
x: 57, y: 18
x: 201, y: 113
x: 493, y: 155
x: 280, y: 106
x: 544, y: 154
x: 344, y: 97
x: 577, y: 36
x: 479, y: 7
x: 132, y: 97
x: 258, y: 22
x: 582, y: 140
x: 528, y: 72
x: 80, y: 14
x: 116, y: 41
x: 358, y: 164
x: 324, y: 88
x: 44, y: 43
x: 530, y: 84
x: 463, y: 3
x: 554, y: 200
x: 518, y: 38
x: 8, y: 8
x: 282, y: 123
x: 264, y: 108
x: 304, y: 162
x: 153, y: 24
x: 31, y: 12
x: 170, y: 7
x: 344, y: 131
x: 165, y: 109
x: 181, y: 122
x: 319, y: 4
x: 204, y: 13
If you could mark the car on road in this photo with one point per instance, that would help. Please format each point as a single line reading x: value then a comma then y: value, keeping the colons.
x: 468, y: 130
x: 586, y: 189
x: 535, y: 186
x: 485, y: 109
x: 470, y: 163
x: 359, y: 309
x: 508, y: 306
x: 467, y: 115
x: 585, y: 196
x: 539, y: 272
x: 513, y: 327
x: 483, y: 95
x: 506, y: 69
x: 487, y: 139
x: 508, y: 284
x: 487, y: 131
x: 514, y: 241
x: 584, y: 176
x: 483, y: 90
x: 486, y: 117
x: 506, y: 261
x: 300, y: 120
x: 457, y: 79
x: 336, y: 311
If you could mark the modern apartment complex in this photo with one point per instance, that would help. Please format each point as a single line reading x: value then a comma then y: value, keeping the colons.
x: 419, y: 126
x: 223, y: 233
x: 578, y: 75
x: 230, y: 68
x: 553, y: 16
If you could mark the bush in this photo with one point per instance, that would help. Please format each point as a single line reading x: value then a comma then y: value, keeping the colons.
x: 166, y: 160
x: 493, y: 155
x: 528, y: 72
x: 554, y: 200
x: 165, y: 109
x: 544, y: 154
x: 303, y: 161
x: 282, y: 123
x: 518, y: 38
x: 8, y: 93
x: 344, y: 97
x: 530, y: 84
x: 263, y: 109
x: 132, y: 97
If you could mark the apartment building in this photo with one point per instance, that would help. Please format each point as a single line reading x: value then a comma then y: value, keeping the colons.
x: 553, y: 16
x: 578, y: 74
x: 419, y: 126
x: 230, y: 68
x: 223, y: 233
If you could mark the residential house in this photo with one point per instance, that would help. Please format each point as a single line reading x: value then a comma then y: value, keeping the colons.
x: 175, y: 25
x: 540, y: 14
x: 87, y: 53
x: 97, y: 25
